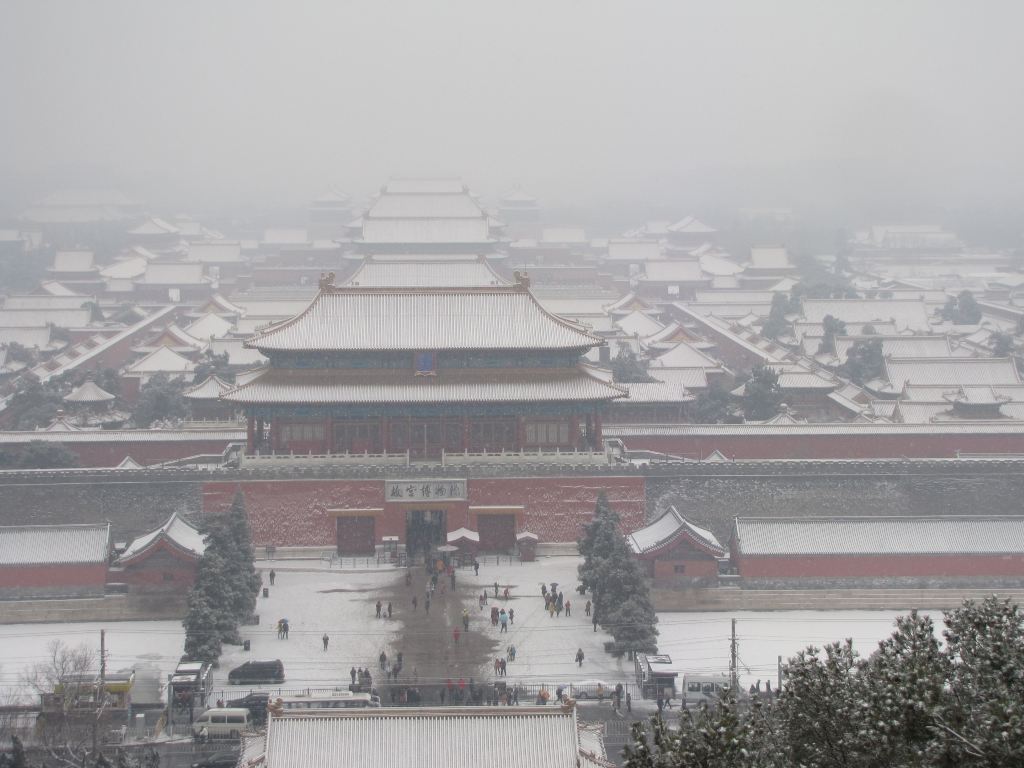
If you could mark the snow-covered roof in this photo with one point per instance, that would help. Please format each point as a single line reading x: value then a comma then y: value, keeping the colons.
x: 635, y: 250
x: 172, y: 274
x: 691, y: 226
x: 329, y: 386
x: 210, y: 388
x: 688, y: 378
x: 30, y: 338
x: 950, y: 371
x: 125, y: 269
x: 162, y: 359
x: 238, y: 354
x: 732, y: 297
x: 209, y: 326
x: 73, y: 261
x: 46, y: 302
x: 21, y: 437
x: 88, y: 392
x: 656, y: 392
x: 424, y: 206
x: 964, y: 535
x: 129, y: 463
x: 154, y: 226
x: 898, y: 346
x: 719, y: 265
x: 810, y: 429
x: 441, y: 230
x: 285, y: 236
x: 463, y: 533
x: 348, y: 318
x: 35, y: 318
x: 425, y: 274
x: 906, y: 314
x: 667, y: 529
x: 54, y: 288
x: 175, y: 531
x: 770, y: 257
x: 54, y: 544
x: 638, y: 323
x: 452, y: 737
x: 673, y: 272
x: 684, y: 355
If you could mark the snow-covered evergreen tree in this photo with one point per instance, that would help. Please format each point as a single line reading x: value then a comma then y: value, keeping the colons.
x: 202, y: 637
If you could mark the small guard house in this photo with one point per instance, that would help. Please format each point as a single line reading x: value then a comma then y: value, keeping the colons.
x: 675, y: 552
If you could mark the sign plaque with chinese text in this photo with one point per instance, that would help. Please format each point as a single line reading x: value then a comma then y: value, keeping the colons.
x: 425, y: 490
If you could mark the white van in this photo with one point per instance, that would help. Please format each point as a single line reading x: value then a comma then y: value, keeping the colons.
x: 222, y: 723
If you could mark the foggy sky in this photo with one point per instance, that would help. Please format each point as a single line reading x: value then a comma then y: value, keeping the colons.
x: 855, y: 104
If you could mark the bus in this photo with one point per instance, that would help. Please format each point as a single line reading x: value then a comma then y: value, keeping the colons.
x: 335, y: 700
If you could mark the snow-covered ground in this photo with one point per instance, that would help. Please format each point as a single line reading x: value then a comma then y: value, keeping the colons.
x: 319, y: 601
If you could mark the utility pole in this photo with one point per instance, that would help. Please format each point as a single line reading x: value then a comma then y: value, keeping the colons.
x: 733, y: 659
x: 100, y: 697
x: 778, y: 682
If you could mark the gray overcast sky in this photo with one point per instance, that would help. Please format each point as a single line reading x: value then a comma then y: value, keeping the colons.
x: 824, y: 102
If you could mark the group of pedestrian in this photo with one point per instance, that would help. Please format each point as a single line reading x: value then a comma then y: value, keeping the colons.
x: 555, y: 603
x: 282, y: 629
x: 502, y: 618
x: 380, y: 609
x: 500, y: 666
x: 363, y: 676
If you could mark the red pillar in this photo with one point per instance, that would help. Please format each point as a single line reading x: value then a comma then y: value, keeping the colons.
x: 597, y: 430
x: 465, y: 433
x: 520, y: 433
x: 328, y: 442
x: 250, y: 436
x: 385, y: 434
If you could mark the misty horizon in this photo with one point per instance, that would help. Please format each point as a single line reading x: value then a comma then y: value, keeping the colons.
x: 671, y: 108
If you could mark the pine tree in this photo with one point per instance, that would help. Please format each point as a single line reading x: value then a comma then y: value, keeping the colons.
x: 761, y: 394
x: 621, y: 596
x: 202, y: 638
x: 240, y: 559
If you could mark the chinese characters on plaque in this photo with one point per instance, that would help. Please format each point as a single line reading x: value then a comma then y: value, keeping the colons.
x: 425, y: 490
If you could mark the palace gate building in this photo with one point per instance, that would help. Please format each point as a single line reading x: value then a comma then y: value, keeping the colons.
x: 425, y: 375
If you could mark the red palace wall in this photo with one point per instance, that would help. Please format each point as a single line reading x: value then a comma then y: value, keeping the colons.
x: 298, y: 512
x: 80, y: 578
x: 834, y: 446
x: 879, y: 566
x: 145, y: 452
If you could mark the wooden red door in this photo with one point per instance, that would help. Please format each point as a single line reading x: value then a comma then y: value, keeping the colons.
x: 497, y: 532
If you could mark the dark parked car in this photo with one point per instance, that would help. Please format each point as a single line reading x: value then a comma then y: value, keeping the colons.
x: 256, y: 703
x: 257, y: 673
x: 218, y: 760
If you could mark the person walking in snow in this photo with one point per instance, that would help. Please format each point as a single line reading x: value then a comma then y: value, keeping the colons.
x: 568, y: 609
x: 352, y: 672
x: 326, y: 640
x: 379, y: 606
x: 426, y: 606
x: 476, y: 567
x: 455, y: 635
x: 383, y: 659
x: 465, y: 620
x: 273, y: 575
x: 511, y: 615
x: 285, y: 628
x: 389, y: 610
x: 579, y: 657
x: 503, y: 618
x: 586, y: 610
x: 497, y: 665
x: 415, y: 602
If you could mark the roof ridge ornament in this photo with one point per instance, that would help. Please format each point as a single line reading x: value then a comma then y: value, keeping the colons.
x: 522, y: 280
x: 326, y: 281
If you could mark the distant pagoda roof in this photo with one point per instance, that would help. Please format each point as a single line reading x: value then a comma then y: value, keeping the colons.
x: 210, y: 388
x: 357, y: 318
x: 88, y: 392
